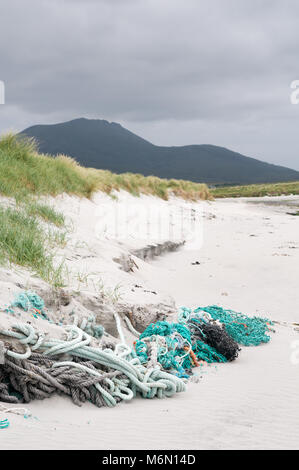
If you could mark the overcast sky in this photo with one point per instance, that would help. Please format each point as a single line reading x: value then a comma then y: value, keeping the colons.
x: 173, y: 71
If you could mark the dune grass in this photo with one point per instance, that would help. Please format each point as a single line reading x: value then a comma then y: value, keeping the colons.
x: 256, y: 190
x: 24, y: 242
x: 137, y: 184
x: 21, y: 238
x: 46, y: 212
x: 23, y: 172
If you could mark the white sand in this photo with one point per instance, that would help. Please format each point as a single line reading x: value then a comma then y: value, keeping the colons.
x: 250, y: 403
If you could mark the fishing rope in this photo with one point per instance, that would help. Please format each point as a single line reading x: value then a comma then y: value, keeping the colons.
x: 89, y: 325
x: 131, y: 327
x: 133, y: 376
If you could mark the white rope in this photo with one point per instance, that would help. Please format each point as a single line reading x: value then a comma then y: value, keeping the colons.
x: 119, y: 328
x: 131, y: 327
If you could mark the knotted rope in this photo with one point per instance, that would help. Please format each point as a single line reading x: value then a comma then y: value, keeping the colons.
x: 101, y: 376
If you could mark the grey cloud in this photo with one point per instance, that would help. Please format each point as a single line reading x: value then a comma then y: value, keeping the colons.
x: 214, y: 66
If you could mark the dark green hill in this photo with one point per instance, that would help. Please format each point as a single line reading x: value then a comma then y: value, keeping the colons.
x: 101, y: 144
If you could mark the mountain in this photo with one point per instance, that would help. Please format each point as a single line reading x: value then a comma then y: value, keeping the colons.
x: 107, y: 145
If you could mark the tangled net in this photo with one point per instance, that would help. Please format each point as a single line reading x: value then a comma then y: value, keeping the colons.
x: 215, y: 336
x: 209, y: 334
x: 243, y: 329
x: 30, y: 301
x: 176, y: 347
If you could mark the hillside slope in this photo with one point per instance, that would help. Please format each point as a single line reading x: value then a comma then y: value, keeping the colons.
x: 100, y: 144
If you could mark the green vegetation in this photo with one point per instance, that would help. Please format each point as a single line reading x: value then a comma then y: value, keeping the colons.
x: 24, y: 242
x: 24, y: 172
x: 255, y: 190
x: 47, y: 213
x: 138, y: 184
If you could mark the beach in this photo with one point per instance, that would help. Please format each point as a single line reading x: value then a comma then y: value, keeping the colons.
x: 248, y: 261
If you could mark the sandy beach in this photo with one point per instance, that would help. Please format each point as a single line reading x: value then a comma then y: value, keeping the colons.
x: 248, y: 262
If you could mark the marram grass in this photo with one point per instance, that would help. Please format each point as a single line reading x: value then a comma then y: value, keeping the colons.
x: 23, y: 241
x: 23, y: 172
x: 45, y: 212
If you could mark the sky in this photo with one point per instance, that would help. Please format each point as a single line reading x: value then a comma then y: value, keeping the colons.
x: 175, y: 72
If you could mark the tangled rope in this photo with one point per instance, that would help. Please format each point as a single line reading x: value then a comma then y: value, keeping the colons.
x: 103, y: 377
x: 39, y: 378
x: 89, y: 325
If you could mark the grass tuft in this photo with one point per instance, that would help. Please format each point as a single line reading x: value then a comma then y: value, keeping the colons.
x: 24, y: 242
x: 22, y: 239
x: 47, y: 213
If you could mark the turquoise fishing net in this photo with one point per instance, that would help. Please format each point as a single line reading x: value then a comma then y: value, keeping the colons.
x: 248, y: 331
x: 175, y: 355
x: 226, y: 327
x: 28, y: 300
x: 164, y: 328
